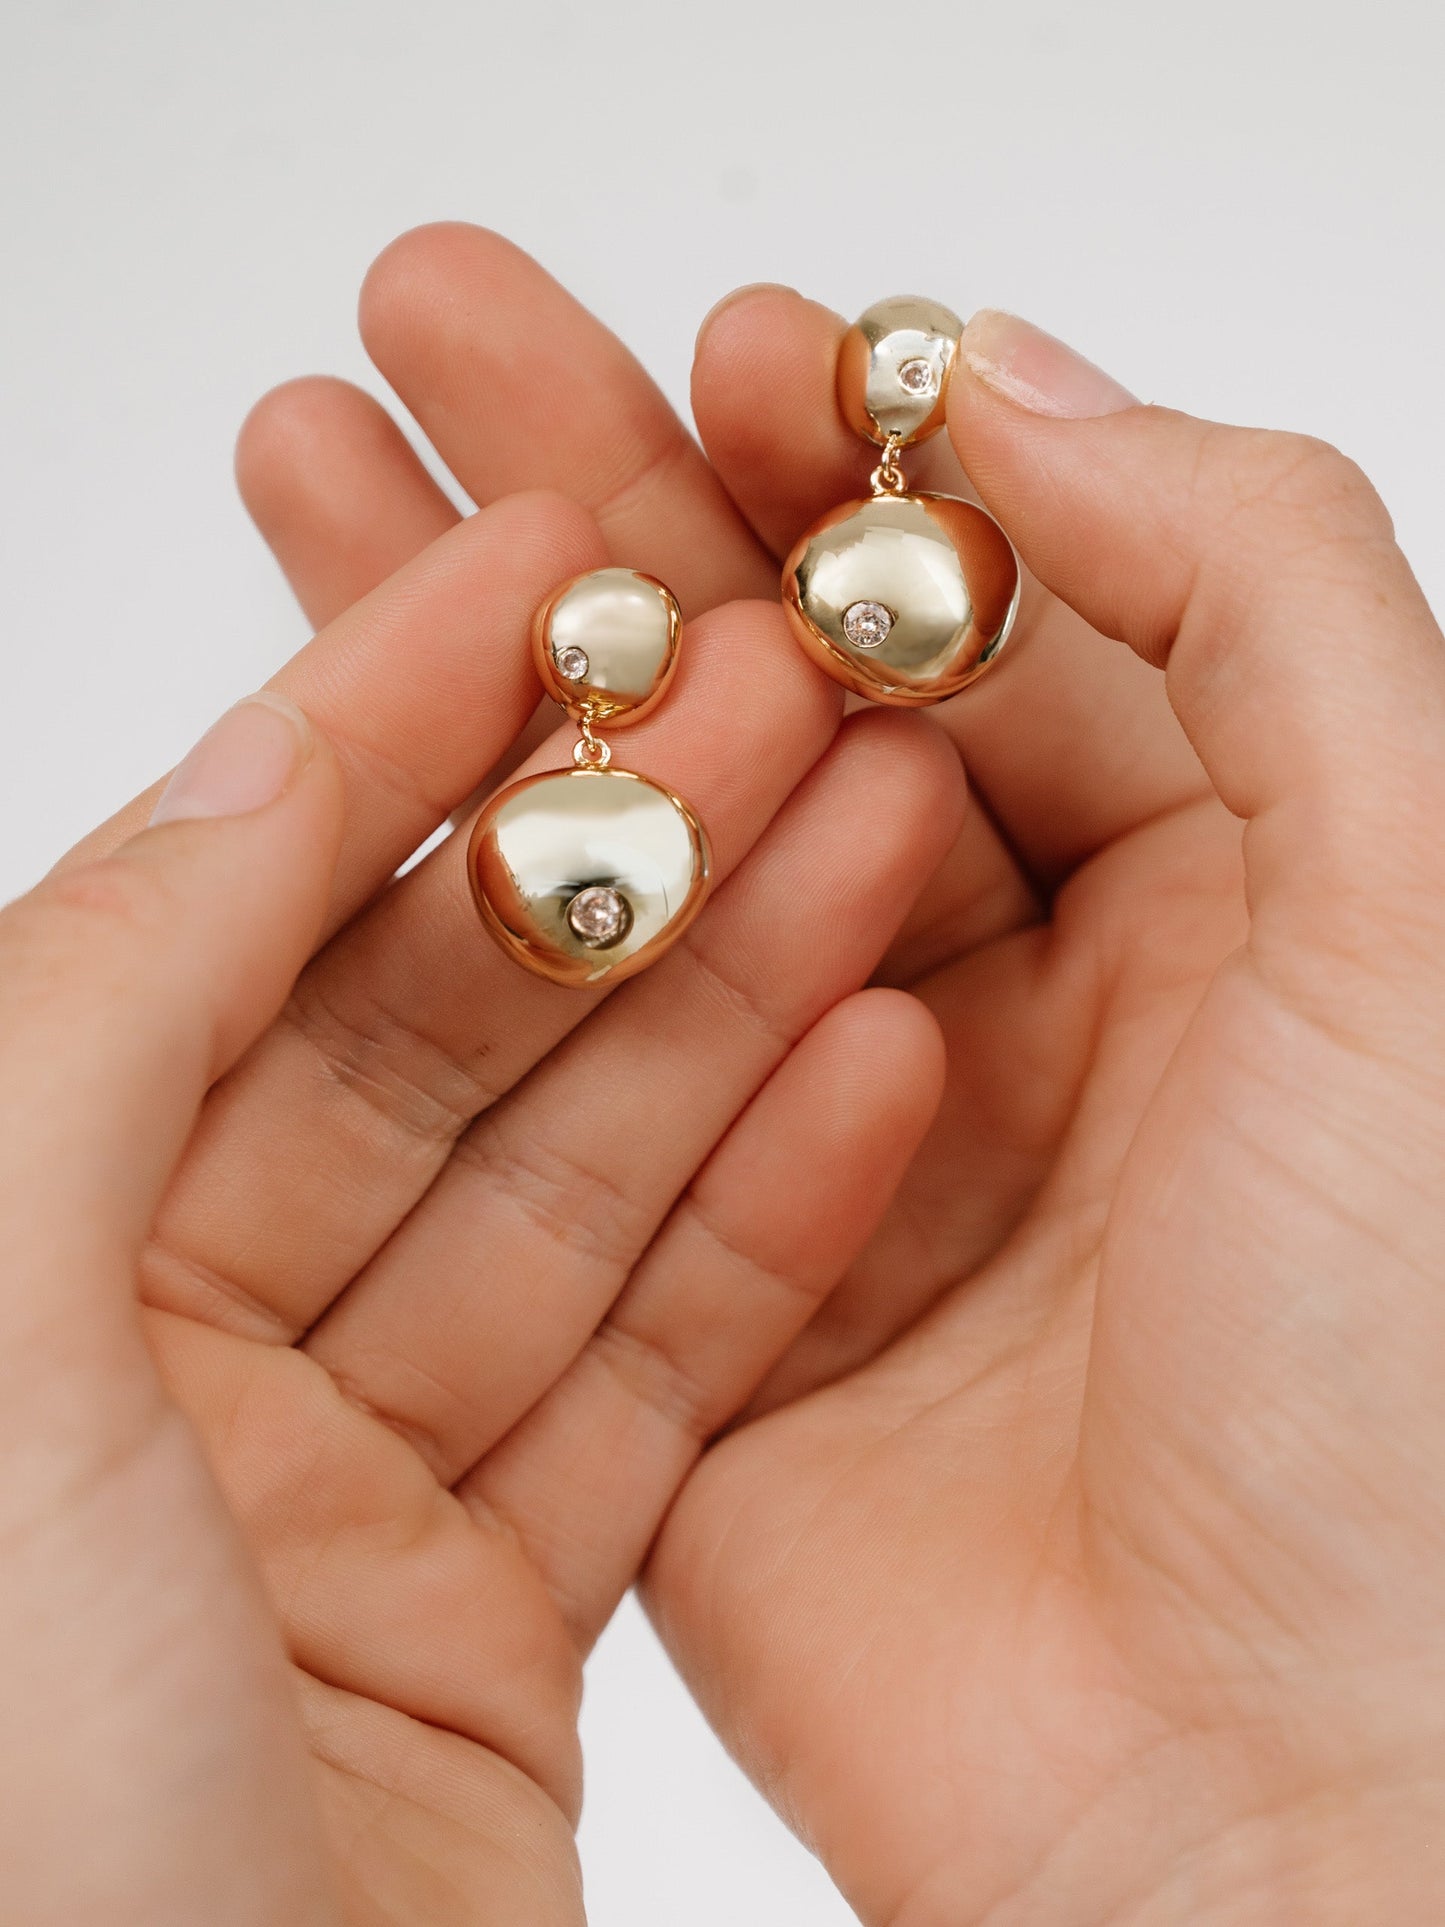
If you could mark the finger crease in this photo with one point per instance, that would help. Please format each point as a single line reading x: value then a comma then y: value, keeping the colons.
x: 741, y: 1001
x: 396, y: 778
x: 792, y: 1285
x: 171, y: 1281
x: 569, y: 1202
x: 422, y: 1439
x: 405, y: 1077
x: 670, y: 453
x: 650, y: 1375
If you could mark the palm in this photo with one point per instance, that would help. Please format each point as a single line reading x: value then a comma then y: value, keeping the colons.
x: 444, y: 1769
x: 975, y: 1635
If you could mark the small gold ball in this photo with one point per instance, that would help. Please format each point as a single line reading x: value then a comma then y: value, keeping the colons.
x: 894, y: 365
x: 606, y: 643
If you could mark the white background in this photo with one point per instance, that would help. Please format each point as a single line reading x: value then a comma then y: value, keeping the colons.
x: 1235, y: 208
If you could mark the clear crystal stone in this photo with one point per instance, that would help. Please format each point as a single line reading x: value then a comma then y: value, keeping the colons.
x: 916, y: 377
x: 599, y: 916
x: 866, y: 624
x: 572, y: 661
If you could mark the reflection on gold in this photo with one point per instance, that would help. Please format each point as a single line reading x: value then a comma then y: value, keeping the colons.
x: 539, y: 844
x: 622, y: 629
x: 942, y: 570
x: 894, y: 365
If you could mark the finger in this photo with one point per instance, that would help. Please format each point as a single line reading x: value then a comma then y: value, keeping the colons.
x: 412, y: 1021
x: 129, y: 985
x: 763, y: 1233
x: 423, y: 684
x: 1018, y: 1034
x: 1070, y: 742
x: 498, y: 1279
x: 975, y: 896
x: 344, y: 502
x: 1056, y: 1035
x: 1261, y: 570
x: 518, y: 386
x: 334, y: 487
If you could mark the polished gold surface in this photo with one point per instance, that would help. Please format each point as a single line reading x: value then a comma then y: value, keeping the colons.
x: 625, y: 627
x: 894, y: 365
x: 540, y: 844
x: 944, y: 575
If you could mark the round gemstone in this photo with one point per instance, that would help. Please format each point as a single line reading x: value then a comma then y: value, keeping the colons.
x: 866, y: 624
x: 572, y: 662
x: 916, y: 377
x: 599, y: 916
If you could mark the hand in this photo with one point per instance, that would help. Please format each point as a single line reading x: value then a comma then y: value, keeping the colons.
x: 1112, y: 1589
x: 1108, y: 1588
x: 450, y: 1270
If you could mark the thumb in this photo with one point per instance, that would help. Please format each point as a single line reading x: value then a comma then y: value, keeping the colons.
x: 1261, y: 571
x: 129, y: 985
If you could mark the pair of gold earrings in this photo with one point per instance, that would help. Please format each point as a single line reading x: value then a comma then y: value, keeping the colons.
x: 904, y: 598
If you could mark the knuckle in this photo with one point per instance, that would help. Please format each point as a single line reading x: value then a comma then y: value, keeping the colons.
x: 744, y: 1002
x: 126, y: 900
x: 84, y: 916
x: 1294, y: 491
x: 571, y: 1204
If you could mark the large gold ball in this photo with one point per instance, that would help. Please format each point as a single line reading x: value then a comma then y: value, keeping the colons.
x: 904, y: 599
x: 894, y: 365
x: 586, y: 874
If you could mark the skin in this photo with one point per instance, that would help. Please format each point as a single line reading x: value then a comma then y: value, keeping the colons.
x: 1073, y: 1553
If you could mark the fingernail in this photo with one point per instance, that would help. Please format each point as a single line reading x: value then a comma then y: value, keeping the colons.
x: 242, y: 763
x: 1033, y: 370
x: 745, y: 293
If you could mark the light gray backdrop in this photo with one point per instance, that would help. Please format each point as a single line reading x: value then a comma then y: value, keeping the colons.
x: 1236, y: 208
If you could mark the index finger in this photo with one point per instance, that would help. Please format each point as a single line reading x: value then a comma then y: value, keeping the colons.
x: 422, y: 685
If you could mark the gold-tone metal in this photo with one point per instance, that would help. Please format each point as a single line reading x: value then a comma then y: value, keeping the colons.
x: 590, y: 752
x: 888, y: 477
x: 894, y: 365
x: 626, y: 627
x: 941, y: 569
x: 540, y: 843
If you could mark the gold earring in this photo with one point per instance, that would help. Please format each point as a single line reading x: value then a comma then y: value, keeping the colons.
x: 903, y: 598
x: 592, y: 872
